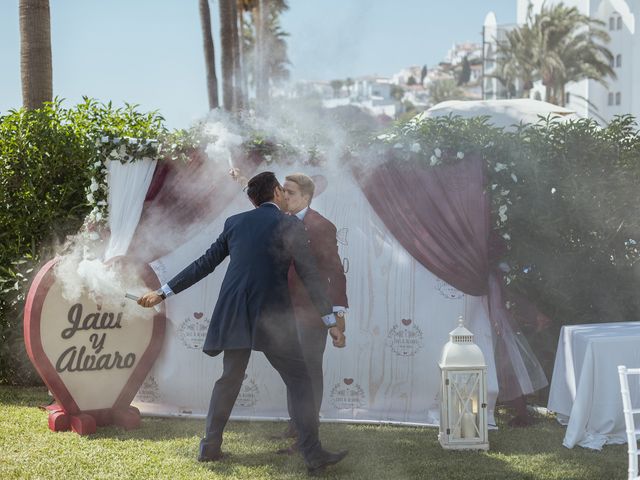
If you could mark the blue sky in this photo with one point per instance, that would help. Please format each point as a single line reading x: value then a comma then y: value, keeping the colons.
x: 149, y: 52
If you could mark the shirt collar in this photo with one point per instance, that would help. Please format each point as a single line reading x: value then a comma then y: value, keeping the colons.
x: 270, y: 203
x: 302, y: 213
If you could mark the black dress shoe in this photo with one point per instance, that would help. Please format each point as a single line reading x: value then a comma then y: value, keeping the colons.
x: 211, y: 457
x: 323, y: 460
x: 209, y: 452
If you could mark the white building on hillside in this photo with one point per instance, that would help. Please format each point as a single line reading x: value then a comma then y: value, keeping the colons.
x: 373, y: 94
x: 403, y: 76
x: 587, y: 97
x: 458, y: 51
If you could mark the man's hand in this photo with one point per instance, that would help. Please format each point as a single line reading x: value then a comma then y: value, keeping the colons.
x: 150, y: 299
x: 339, y: 340
x: 340, y: 321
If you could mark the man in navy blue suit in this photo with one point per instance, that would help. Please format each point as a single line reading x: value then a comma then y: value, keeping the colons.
x: 254, y: 312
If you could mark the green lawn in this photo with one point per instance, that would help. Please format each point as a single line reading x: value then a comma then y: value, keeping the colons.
x: 166, y: 448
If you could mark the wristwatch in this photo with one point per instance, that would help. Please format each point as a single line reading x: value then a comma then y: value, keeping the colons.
x: 161, y: 293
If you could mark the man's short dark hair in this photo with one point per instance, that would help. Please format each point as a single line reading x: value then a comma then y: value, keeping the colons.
x: 261, y: 187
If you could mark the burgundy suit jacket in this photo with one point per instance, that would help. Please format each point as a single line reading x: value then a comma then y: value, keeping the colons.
x: 324, y: 247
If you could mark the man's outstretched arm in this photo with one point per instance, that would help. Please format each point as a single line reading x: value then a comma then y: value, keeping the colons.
x: 192, y: 274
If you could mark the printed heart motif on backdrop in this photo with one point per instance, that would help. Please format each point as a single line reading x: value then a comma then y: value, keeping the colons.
x: 92, y: 360
x: 406, y: 322
x: 348, y: 381
x: 321, y: 184
x: 198, y: 315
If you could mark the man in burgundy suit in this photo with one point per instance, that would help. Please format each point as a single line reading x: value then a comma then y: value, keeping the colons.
x: 312, y: 332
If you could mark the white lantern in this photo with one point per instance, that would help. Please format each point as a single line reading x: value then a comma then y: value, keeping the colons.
x: 463, y: 407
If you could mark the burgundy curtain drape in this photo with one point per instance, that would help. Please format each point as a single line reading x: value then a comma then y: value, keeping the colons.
x: 181, y: 198
x: 441, y: 216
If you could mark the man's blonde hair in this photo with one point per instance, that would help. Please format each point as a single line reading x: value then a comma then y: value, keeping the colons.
x: 307, y: 187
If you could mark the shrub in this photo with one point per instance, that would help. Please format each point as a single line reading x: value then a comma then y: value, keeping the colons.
x: 565, y: 199
x: 45, y: 167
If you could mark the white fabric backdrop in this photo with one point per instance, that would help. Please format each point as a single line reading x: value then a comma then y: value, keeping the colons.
x: 128, y: 185
x: 399, y: 319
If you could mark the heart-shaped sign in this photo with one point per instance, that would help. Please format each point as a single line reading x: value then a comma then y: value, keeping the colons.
x: 406, y: 322
x: 198, y: 315
x: 93, y: 358
x: 348, y: 381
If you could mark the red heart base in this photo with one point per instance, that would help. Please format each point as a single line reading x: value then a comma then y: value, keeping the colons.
x: 85, y: 398
x: 86, y: 423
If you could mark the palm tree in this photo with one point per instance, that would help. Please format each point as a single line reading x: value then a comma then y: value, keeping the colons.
x: 515, y: 60
x: 277, y: 62
x: 227, y: 45
x: 238, y: 95
x: 35, y: 53
x: 209, y: 54
x: 578, y: 49
x: 259, y: 18
x: 264, y: 40
x: 557, y: 46
x: 244, y: 60
x: 563, y: 35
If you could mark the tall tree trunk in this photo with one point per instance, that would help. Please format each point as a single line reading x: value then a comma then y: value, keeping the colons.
x: 242, y: 58
x: 35, y: 53
x: 262, y: 78
x: 238, y: 103
x: 209, y: 54
x: 226, y: 40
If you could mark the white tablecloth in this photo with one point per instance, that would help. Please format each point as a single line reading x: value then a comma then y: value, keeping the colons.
x: 585, y: 391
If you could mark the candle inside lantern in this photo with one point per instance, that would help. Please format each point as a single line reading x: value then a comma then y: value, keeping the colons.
x: 468, y: 425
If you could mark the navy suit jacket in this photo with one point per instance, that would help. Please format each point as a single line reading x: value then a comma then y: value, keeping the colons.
x: 254, y: 307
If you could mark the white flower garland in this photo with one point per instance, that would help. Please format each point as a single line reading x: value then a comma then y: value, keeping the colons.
x: 120, y: 149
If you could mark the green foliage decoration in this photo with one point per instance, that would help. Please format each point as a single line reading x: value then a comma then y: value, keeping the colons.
x: 53, y: 184
x: 564, y: 199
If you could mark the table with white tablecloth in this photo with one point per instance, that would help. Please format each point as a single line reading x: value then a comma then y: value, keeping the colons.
x: 585, y: 390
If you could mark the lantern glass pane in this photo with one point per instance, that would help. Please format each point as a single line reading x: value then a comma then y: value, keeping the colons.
x: 464, y: 395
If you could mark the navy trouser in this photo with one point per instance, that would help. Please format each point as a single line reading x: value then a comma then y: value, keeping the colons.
x: 293, y: 371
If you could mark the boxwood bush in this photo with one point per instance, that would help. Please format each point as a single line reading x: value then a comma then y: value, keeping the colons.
x: 565, y: 202
x: 45, y: 158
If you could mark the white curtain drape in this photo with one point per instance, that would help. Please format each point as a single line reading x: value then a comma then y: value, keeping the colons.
x: 128, y: 185
x: 400, y: 316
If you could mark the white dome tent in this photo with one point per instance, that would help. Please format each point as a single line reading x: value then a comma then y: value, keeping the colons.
x: 502, y: 113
